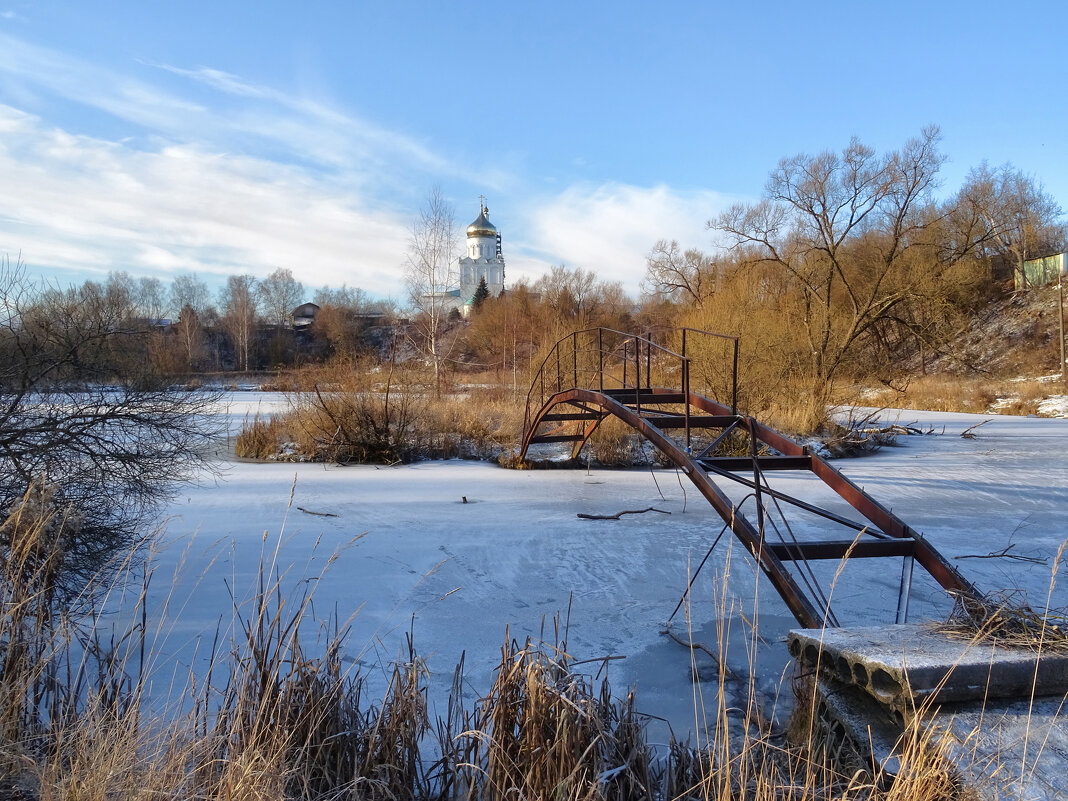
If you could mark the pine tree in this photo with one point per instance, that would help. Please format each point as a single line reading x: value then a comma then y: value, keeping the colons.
x: 480, y: 294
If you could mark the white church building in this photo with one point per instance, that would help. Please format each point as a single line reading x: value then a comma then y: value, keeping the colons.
x: 484, y: 260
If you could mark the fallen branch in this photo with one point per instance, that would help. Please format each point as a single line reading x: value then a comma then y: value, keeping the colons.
x: 620, y: 514
x: 727, y: 671
x: 317, y: 514
x: 967, y: 433
x: 1004, y: 554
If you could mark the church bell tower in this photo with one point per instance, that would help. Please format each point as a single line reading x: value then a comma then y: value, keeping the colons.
x: 484, y: 259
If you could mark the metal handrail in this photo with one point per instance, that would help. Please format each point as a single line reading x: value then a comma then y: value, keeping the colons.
x: 642, y: 346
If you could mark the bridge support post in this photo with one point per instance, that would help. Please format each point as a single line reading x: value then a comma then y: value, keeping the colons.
x: 905, y: 591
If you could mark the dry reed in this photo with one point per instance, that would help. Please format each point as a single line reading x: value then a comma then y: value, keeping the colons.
x: 279, y: 717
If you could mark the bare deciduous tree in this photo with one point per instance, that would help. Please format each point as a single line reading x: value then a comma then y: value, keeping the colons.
x: 569, y: 291
x: 844, y: 228
x: 150, y: 299
x: 431, y: 274
x: 189, y: 290
x: 189, y: 298
x: 681, y: 276
x: 279, y: 293
x: 240, y: 312
x: 1020, y: 220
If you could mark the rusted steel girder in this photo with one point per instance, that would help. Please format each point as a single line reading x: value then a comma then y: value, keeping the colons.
x: 895, y: 537
x: 802, y: 608
x: 932, y: 561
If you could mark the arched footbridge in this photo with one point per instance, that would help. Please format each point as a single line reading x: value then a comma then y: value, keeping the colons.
x: 599, y: 373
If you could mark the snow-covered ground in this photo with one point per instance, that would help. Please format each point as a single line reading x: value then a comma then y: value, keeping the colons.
x: 463, y: 576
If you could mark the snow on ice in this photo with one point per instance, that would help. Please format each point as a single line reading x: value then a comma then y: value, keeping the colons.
x: 413, y: 557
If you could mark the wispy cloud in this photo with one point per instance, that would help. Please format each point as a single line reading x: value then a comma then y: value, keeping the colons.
x: 241, y: 178
x: 78, y: 203
x: 316, y: 124
x: 247, y: 178
x: 241, y: 116
x: 45, y: 70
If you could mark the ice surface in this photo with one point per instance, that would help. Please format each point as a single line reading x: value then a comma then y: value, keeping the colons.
x: 516, y: 555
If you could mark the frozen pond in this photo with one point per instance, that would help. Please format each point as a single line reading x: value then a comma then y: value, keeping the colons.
x: 461, y: 575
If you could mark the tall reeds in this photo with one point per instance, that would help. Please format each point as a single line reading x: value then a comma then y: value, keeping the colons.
x: 279, y: 714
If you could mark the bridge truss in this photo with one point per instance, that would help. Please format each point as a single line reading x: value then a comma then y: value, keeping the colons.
x: 598, y: 373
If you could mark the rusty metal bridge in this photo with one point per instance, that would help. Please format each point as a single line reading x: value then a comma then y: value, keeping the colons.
x: 593, y: 375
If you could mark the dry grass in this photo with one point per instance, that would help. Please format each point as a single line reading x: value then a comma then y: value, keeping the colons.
x: 363, y: 413
x: 261, y: 438
x: 615, y: 444
x: 1009, y: 621
x: 950, y: 393
x: 279, y: 717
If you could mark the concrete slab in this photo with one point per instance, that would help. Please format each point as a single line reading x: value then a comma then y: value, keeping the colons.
x: 906, y: 666
x: 848, y: 717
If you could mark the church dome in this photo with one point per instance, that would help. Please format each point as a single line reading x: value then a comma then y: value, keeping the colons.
x: 482, y: 226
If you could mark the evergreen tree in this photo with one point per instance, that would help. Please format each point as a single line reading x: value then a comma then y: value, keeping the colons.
x: 480, y: 294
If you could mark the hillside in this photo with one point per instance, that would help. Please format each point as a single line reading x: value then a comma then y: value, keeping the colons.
x: 1014, y: 336
x: 1004, y: 361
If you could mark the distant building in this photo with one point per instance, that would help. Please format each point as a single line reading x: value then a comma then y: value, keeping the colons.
x: 1042, y: 271
x: 304, y: 315
x: 484, y: 260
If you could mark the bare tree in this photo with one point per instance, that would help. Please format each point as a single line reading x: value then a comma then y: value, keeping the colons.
x: 279, y: 293
x: 339, y: 320
x: 345, y: 297
x: 99, y: 445
x: 680, y: 276
x: 238, y: 301
x: 189, y: 290
x: 1021, y: 221
x: 569, y: 291
x: 190, y: 299
x: 150, y: 299
x: 431, y: 274
x: 119, y: 292
x: 845, y: 228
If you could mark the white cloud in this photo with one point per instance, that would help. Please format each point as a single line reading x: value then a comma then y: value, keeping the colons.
x: 40, y: 68
x: 83, y: 204
x: 320, y: 130
x: 251, y: 178
x: 610, y: 228
x: 240, y: 116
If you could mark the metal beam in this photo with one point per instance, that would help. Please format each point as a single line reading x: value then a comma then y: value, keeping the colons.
x: 839, y: 549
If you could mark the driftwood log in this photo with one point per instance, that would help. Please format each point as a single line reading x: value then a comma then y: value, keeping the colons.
x: 618, y: 515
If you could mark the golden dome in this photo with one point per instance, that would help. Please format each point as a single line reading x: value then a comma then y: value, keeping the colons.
x: 482, y: 226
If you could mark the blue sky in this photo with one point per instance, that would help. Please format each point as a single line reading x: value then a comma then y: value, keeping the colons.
x: 162, y: 138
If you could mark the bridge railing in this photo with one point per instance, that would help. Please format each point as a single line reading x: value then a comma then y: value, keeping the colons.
x: 606, y: 359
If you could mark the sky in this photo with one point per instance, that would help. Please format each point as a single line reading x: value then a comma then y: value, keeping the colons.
x: 223, y: 138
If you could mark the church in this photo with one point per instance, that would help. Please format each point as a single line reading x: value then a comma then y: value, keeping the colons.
x: 484, y: 261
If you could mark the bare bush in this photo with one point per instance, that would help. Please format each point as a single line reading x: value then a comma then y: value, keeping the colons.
x: 82, y: 416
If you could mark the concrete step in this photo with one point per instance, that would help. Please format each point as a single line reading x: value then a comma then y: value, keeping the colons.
x: 905, y: 666
x: 1007, y: 743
